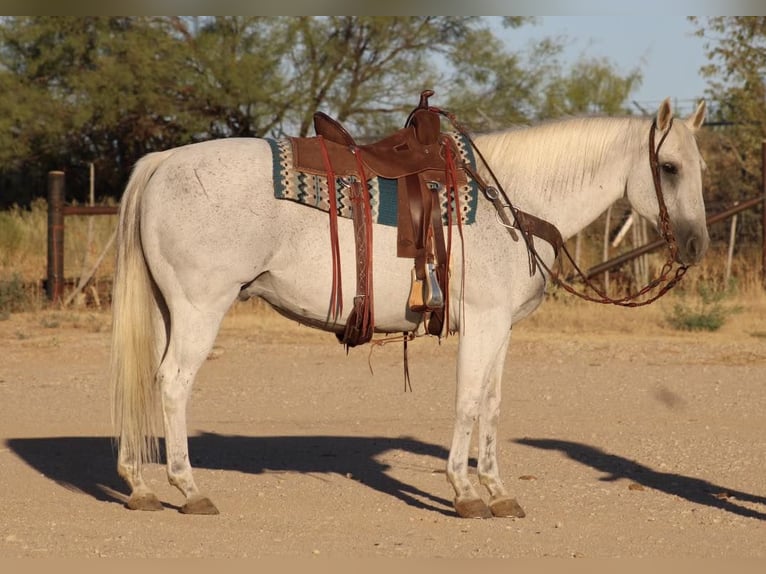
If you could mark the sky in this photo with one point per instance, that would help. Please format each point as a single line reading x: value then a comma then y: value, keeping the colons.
x: 665, y: 49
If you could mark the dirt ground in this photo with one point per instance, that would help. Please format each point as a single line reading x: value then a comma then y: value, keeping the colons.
x: 617, y: 444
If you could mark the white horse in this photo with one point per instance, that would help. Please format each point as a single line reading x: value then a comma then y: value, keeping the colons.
x: 200, y: 226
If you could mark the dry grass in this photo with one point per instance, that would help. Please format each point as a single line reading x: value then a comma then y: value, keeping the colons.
x: 575, y: 317
x: 23, y: 247
x: 558, y: 316
x: 743, y: 301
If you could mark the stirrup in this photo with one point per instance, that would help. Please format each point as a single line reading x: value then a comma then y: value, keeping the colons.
x: 416, y: 301
x: 434, y: 296
x: 425, y: 294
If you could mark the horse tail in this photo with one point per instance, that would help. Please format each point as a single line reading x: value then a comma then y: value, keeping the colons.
x: 134, y: 355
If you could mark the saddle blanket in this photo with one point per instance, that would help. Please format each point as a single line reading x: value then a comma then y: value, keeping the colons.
x: 312, y: 190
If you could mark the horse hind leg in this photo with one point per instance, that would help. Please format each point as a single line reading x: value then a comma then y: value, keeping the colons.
x: 192, y: 334
x: 141, y: 496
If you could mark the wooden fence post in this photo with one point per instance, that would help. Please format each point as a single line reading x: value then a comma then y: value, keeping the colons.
x: 54, y: 285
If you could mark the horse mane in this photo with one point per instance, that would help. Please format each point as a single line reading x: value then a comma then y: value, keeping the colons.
x: 556, y: 157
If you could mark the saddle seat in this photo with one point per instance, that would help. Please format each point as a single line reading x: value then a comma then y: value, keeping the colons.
x: 413, y: 149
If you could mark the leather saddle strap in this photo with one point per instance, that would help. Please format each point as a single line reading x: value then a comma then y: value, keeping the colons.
x: 415, y: 203
x: 336, y: 292
x: 424, y: 217
x: 360, y: 323
x: 440, y: 246
x: 439, y: 322
x: 532, y: 225
x: 436, y: 323
x: 453, y: 197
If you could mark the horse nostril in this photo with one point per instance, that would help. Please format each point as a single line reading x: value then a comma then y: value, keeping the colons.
x: 691, y: 249
x: 695, y: 249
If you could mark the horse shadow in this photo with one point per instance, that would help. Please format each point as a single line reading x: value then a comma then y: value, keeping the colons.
x: 616, y: 467
x: 88, y: 464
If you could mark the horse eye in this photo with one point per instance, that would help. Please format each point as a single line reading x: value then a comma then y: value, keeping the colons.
x: 670, y: 168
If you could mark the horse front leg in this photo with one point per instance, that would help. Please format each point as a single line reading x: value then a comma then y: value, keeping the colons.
x: 501, y: 504
x: 481, y: 356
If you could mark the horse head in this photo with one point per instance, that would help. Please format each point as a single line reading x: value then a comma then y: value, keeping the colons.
x: 678, y: 179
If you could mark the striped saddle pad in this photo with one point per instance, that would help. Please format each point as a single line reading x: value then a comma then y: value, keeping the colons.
x: 312, y: 190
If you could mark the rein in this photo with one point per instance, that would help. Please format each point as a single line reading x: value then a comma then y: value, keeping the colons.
x: 531, y: 226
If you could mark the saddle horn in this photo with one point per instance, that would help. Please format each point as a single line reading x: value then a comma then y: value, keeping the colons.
x: 422, y: 105
x: 424, y: 95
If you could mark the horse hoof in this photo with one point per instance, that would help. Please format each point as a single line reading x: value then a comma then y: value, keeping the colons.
x: 199, y: 505
x: 144, y: 502
x: 472, y: 508
x: 506, y: 507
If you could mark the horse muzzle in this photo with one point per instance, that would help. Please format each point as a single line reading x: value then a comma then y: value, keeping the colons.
x: 692, y: 246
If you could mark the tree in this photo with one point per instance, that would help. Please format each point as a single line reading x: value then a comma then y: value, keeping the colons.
x: 591, y: 86
x: 80, y: 90
x: 107, y: 90
x: 496, y: 89
x: 236, y: 86
x: 488, y: 87
x: 369, y: 71
x: 736, y: 48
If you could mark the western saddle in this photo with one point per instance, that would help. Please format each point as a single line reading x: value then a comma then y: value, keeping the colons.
x: 423, y: 161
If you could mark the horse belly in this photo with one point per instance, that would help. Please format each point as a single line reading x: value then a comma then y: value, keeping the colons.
x: 297, y: 281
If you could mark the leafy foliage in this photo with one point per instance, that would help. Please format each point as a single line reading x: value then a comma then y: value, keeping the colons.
x: 13, y: 296
x: 736, y: 48
x: 107, y: 90
x: 706, y: 312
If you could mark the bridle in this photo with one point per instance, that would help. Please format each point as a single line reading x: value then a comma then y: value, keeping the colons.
x: 668, y: 277
x: 530, y: 226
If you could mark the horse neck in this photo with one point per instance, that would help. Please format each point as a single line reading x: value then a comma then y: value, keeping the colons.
x: 567, y: 172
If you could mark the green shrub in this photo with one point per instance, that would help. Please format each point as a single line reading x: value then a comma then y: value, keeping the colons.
x: 706, y: 312
x: 13, y: 295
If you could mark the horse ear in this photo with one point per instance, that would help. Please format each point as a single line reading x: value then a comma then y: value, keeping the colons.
x: 695, y: 120
x: 664, y: 115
